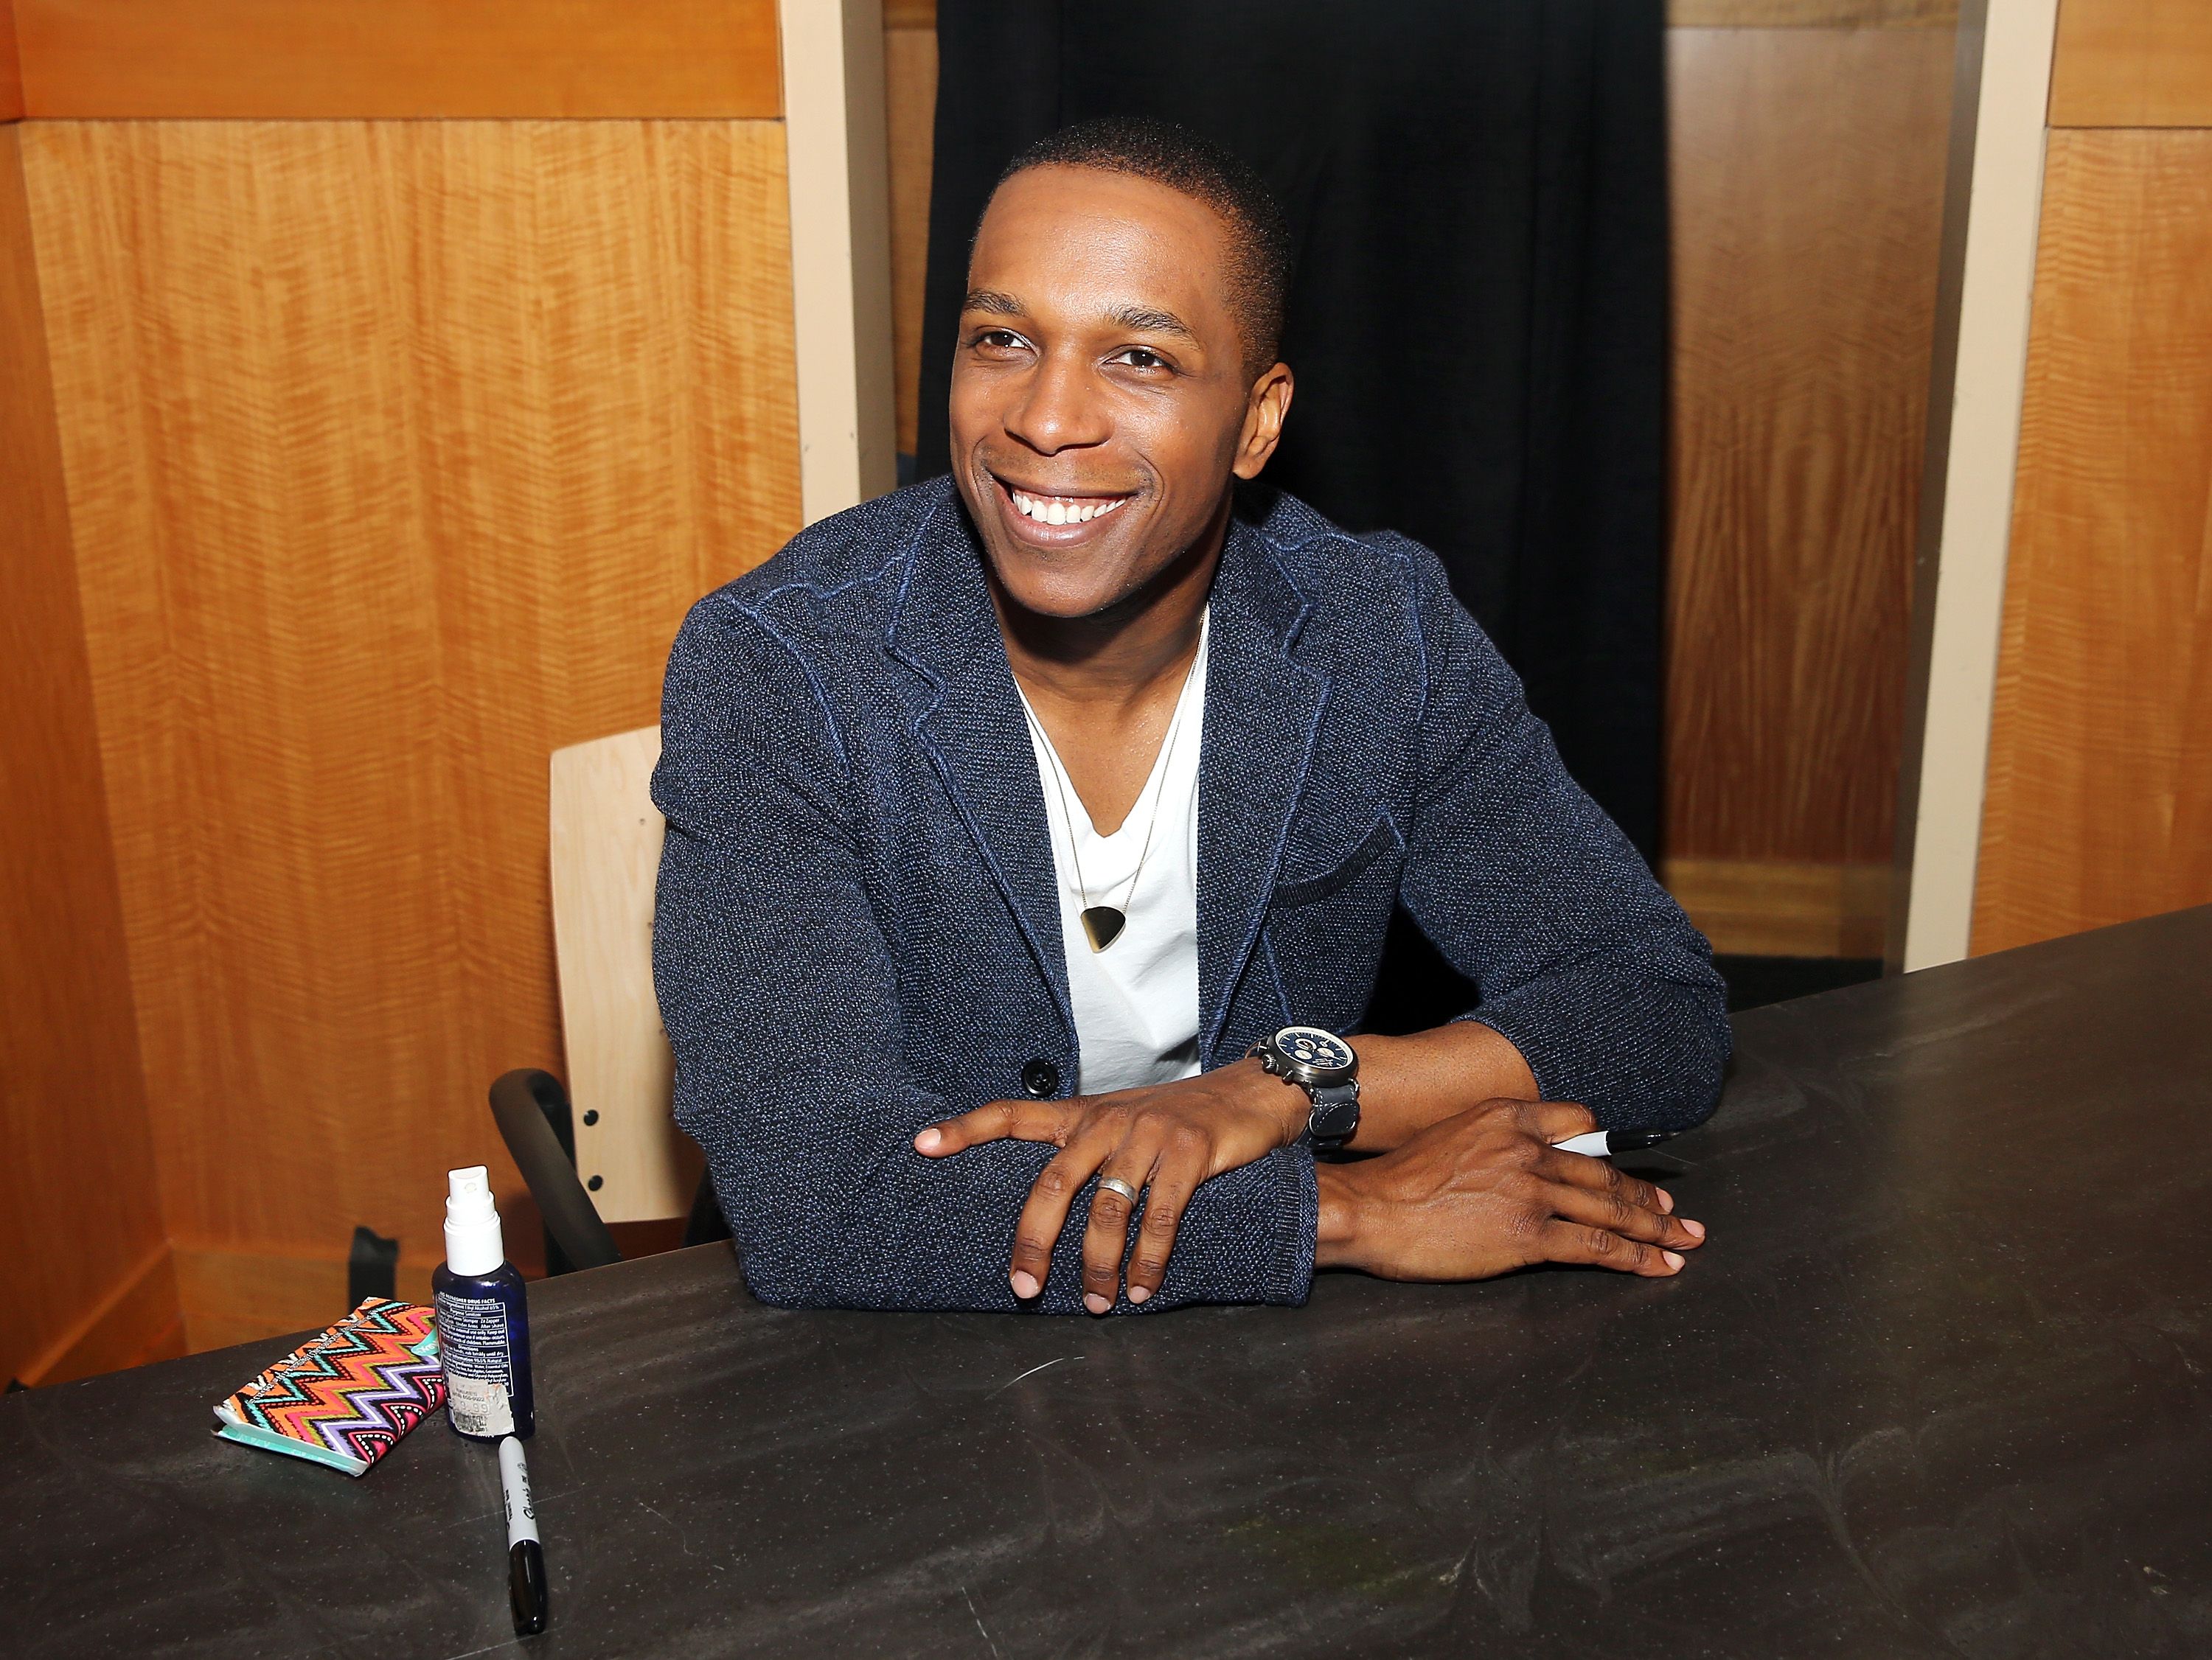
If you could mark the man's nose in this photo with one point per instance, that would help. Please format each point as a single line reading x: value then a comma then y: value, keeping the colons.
x: 1060, y: 408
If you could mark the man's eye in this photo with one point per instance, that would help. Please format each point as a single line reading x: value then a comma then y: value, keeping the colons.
x: 1137, y: 357
x: 999, y: 340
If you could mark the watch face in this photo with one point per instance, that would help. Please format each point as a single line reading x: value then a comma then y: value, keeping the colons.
x: 1322, y: 1055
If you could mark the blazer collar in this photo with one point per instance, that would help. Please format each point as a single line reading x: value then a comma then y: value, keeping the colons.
x: 1263, y: 711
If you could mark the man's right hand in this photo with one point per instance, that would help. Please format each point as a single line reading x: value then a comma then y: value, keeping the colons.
x: 1485, y: 1192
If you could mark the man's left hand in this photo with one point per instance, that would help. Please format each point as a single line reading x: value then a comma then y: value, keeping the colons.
x: 1167, y: 1138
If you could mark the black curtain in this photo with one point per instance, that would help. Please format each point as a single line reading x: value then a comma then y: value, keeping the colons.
x: 1478, y: 323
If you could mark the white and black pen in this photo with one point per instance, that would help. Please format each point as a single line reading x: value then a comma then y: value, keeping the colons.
x: 526, y: 1557
x: 1604, y: 1143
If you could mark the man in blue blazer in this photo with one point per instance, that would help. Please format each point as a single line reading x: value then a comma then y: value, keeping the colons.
x: 1032, y: 834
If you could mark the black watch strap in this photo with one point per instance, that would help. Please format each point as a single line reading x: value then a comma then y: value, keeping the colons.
x: 1335, y: 1117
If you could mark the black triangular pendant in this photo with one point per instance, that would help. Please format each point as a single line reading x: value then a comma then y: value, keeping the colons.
x: 1105, y: 925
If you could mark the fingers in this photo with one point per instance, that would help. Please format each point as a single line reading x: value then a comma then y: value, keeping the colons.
x: 1183, y: 1159
x: 1598, y: 1173
x: 996, y: 1121
x: 1164, y: 1202
x: 1596, y: 1247
x: 1615, y: 1214
x: 1044, y: 1214
x: 1108, y: 1236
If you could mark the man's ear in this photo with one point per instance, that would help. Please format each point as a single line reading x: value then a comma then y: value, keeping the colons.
x: 1265, y: 411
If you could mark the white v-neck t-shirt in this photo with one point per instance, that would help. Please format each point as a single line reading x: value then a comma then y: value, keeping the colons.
x: 1135, y: 1002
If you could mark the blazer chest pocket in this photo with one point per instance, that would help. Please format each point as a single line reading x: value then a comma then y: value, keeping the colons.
x: 1381, y: 840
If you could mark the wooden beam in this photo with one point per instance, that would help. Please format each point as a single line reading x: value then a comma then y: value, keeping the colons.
x: 837, y: 153
x: 2132, y: 63
x: 281, y: 59
x: 1995, y: 195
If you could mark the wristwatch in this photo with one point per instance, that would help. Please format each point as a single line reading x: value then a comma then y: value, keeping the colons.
x: 1324, y: 1066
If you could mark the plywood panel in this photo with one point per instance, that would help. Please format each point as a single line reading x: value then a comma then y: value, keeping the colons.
x: 308, y: 58
x: 79, y: 1207
x: 2099, y: 802
x: 396, y: 452
x: 2132, y: 63
x: 1807, y: 172
x: 910, y: 81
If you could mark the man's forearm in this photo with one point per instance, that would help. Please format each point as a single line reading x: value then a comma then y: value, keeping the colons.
x: 1408, y: 1083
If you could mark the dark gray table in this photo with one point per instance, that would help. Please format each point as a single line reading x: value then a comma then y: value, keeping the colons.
x: 1939, y: 1386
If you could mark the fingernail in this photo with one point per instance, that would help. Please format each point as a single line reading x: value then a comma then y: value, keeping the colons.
x: 1024, y: 1284
x: 1138, y: 1294
x: 1672, y: 1258
x: 927, y: 1141
x: 1094, y: 1303
x: 1666, y: 1199
x: 1695, y: 1230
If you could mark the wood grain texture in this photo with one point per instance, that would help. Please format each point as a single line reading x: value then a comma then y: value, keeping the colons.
x: 11, y: 74
x: 1807, y: 172
x: 395, y: 453
x: 606, y: 844
x: 140, y: 1320
x: 2100, y: 800
x: 2132, y: 63
x: 1774, y: 908
x: 80, y: 1209
x: 910, y: 85
x: 1811, y: 14
x: 92, y: 59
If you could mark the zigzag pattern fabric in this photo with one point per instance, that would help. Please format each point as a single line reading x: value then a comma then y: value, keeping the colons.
x: 346, y: 1396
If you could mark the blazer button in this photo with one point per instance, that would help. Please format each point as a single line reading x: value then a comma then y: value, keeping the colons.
x: 1041, y: 1078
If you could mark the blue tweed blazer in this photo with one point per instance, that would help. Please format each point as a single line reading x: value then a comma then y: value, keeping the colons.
x: 858, y: 925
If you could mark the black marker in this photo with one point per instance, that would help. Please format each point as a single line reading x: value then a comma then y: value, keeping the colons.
x: 526, y: 1557
x: 1604, y: 1143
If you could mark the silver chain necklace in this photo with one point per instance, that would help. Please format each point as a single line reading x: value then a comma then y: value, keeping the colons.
x: 1101, y: 923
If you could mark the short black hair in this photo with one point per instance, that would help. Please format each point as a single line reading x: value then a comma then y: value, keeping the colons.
x: 1259, y: 241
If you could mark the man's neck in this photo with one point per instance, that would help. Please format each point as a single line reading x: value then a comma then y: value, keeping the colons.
x: 1115, y: 659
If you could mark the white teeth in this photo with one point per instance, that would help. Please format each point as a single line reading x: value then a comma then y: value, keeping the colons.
x: 1061, y: 510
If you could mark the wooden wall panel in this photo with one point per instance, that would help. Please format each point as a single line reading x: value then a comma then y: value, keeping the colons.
x: 80, y: 1211
x: 11, y: 77
x: 2100, y: 800
x: 2132, y: 63
x: 1811, y: 14
x: 1806, y: 169
x: 310, y: 59
x: 396, y: 453
x: 910, y: 84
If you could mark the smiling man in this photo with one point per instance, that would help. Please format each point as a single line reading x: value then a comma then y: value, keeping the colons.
x: 1032, y: 835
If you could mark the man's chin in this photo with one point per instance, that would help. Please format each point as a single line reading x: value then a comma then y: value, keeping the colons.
x: 1062, y: 595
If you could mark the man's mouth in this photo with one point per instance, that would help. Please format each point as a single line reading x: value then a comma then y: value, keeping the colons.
x: 1060, y: 509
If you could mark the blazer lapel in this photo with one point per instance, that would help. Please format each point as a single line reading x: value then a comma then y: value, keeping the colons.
x: 1263, y: 712
x: 970, y: 724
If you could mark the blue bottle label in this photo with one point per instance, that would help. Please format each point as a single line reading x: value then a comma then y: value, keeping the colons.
x: 472, y: 1343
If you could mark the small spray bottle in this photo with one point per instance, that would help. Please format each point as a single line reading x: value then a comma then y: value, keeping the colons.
x: 483, y: 1317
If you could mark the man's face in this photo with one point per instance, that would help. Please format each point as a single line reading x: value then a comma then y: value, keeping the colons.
x: 1100, y: 382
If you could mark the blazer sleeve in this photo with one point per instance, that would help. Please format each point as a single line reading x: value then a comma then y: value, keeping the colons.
x: 1530, y: 890
x: 779, y: 996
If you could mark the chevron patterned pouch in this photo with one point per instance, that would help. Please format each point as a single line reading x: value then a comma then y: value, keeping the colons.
x: 342, y: 1397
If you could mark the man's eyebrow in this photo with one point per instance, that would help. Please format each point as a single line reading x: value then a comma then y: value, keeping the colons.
x: 991, y: 300
x: 1150, y: 322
